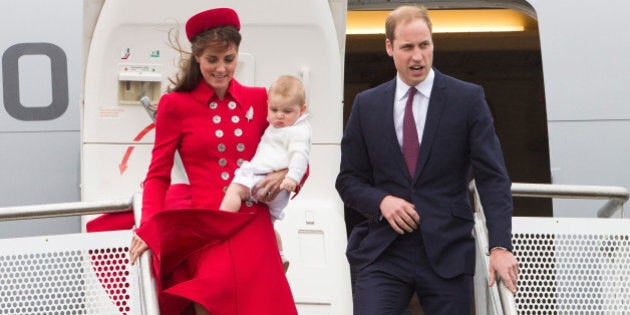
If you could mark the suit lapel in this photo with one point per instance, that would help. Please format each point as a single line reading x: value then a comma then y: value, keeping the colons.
x: 437, y: 103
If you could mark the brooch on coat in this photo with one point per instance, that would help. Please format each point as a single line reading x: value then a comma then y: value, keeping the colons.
x: 250, y: 114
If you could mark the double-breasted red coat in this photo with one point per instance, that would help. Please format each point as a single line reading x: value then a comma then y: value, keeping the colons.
x: 227, y: 262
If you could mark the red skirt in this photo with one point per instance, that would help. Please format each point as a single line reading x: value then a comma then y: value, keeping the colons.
x: 227, y: 262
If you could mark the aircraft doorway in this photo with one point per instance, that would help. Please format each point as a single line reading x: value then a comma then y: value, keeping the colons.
x: 507, y: 63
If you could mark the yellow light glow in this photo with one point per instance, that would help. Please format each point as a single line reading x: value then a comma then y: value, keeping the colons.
x: 446, y: 21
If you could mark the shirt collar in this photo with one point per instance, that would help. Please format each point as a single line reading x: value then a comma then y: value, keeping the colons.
x: 423, y: 87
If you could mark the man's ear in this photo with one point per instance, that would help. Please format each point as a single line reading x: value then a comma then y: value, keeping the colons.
x: 388, y: 47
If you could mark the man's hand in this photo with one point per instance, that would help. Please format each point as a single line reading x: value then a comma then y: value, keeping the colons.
x: 400, y: 214
x: 504, y: 263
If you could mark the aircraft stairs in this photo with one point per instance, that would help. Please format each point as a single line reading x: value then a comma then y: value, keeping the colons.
x: 566, y: 265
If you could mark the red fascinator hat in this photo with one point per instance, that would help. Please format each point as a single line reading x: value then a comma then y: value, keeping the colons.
x: 210, y: 19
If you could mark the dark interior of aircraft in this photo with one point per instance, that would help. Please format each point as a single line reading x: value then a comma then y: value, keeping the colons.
x: 509, y: 67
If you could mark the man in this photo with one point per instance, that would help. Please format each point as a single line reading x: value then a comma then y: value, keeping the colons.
x: 407, y: 168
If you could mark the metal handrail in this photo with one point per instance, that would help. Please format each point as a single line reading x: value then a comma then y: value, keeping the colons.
x: 500, y: 297
x: 147, y: 280
x: 54, y: 210
x: 617, y: 196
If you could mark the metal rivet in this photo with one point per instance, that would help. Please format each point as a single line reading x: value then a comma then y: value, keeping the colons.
x: 240, y: 147
x: 238, y: 132
x: 221, y: 147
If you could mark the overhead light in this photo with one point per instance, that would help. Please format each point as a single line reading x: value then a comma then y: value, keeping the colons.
x: 478, y: 29
x: 446, y: 21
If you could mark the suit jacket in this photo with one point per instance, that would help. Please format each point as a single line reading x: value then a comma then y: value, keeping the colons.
x: 459, y: 137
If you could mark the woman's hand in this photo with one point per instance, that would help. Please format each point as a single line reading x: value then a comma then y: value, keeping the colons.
x: 268, y: 188
x: 138, y: 246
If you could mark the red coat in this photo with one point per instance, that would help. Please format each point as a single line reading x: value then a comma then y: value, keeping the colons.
x: 228, y: 262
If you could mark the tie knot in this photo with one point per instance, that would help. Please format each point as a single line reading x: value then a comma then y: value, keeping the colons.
x: 412, y: 91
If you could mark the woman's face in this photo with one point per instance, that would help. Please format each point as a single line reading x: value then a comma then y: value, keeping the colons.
x: 217, y: 67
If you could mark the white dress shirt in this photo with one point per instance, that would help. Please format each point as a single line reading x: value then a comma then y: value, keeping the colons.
x: 420, y: 105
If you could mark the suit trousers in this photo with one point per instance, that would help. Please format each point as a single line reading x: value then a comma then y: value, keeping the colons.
x: 385, y: 287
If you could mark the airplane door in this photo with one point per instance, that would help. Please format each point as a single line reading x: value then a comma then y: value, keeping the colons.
x: 129, y: 58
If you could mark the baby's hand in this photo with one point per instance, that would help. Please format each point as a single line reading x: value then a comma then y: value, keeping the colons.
x: 288, y: 184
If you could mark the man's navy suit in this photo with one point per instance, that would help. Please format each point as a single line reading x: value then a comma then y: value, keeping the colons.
x: 458, y: 137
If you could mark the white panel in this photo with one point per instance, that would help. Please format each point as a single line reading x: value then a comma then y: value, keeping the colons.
x: 324, y: 167
x: 319, y: 274
x: 314, y: 239
x: 114, y: 171
x: 313, y: 309
x: 588, y: 153
x: 38, y: 168
x: 585, y: 64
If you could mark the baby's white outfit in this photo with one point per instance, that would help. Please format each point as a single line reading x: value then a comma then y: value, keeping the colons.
x: 279, y: 148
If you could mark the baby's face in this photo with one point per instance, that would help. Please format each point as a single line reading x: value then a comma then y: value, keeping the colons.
x: 283, y: 112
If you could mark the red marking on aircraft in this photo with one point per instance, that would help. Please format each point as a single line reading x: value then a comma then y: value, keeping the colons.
x: 122, y: 167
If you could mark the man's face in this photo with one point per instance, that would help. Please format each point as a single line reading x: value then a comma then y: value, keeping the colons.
x: 412, y: 50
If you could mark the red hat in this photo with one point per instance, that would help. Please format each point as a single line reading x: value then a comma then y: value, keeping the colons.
x: 210, y: 19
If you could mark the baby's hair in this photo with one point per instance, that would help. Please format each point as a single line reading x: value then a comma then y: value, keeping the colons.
x: 288, y: 86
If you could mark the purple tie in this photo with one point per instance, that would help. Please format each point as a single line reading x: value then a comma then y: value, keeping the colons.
x: 410, y: 143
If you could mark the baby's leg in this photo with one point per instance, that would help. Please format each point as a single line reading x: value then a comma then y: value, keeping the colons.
x: 285, y: 261
x: 233, y: 197
x: 278, y: 240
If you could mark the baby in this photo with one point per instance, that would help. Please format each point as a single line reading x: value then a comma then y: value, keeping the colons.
x: 285, y: 144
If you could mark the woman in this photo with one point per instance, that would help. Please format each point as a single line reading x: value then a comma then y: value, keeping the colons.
x: 210, y: 261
